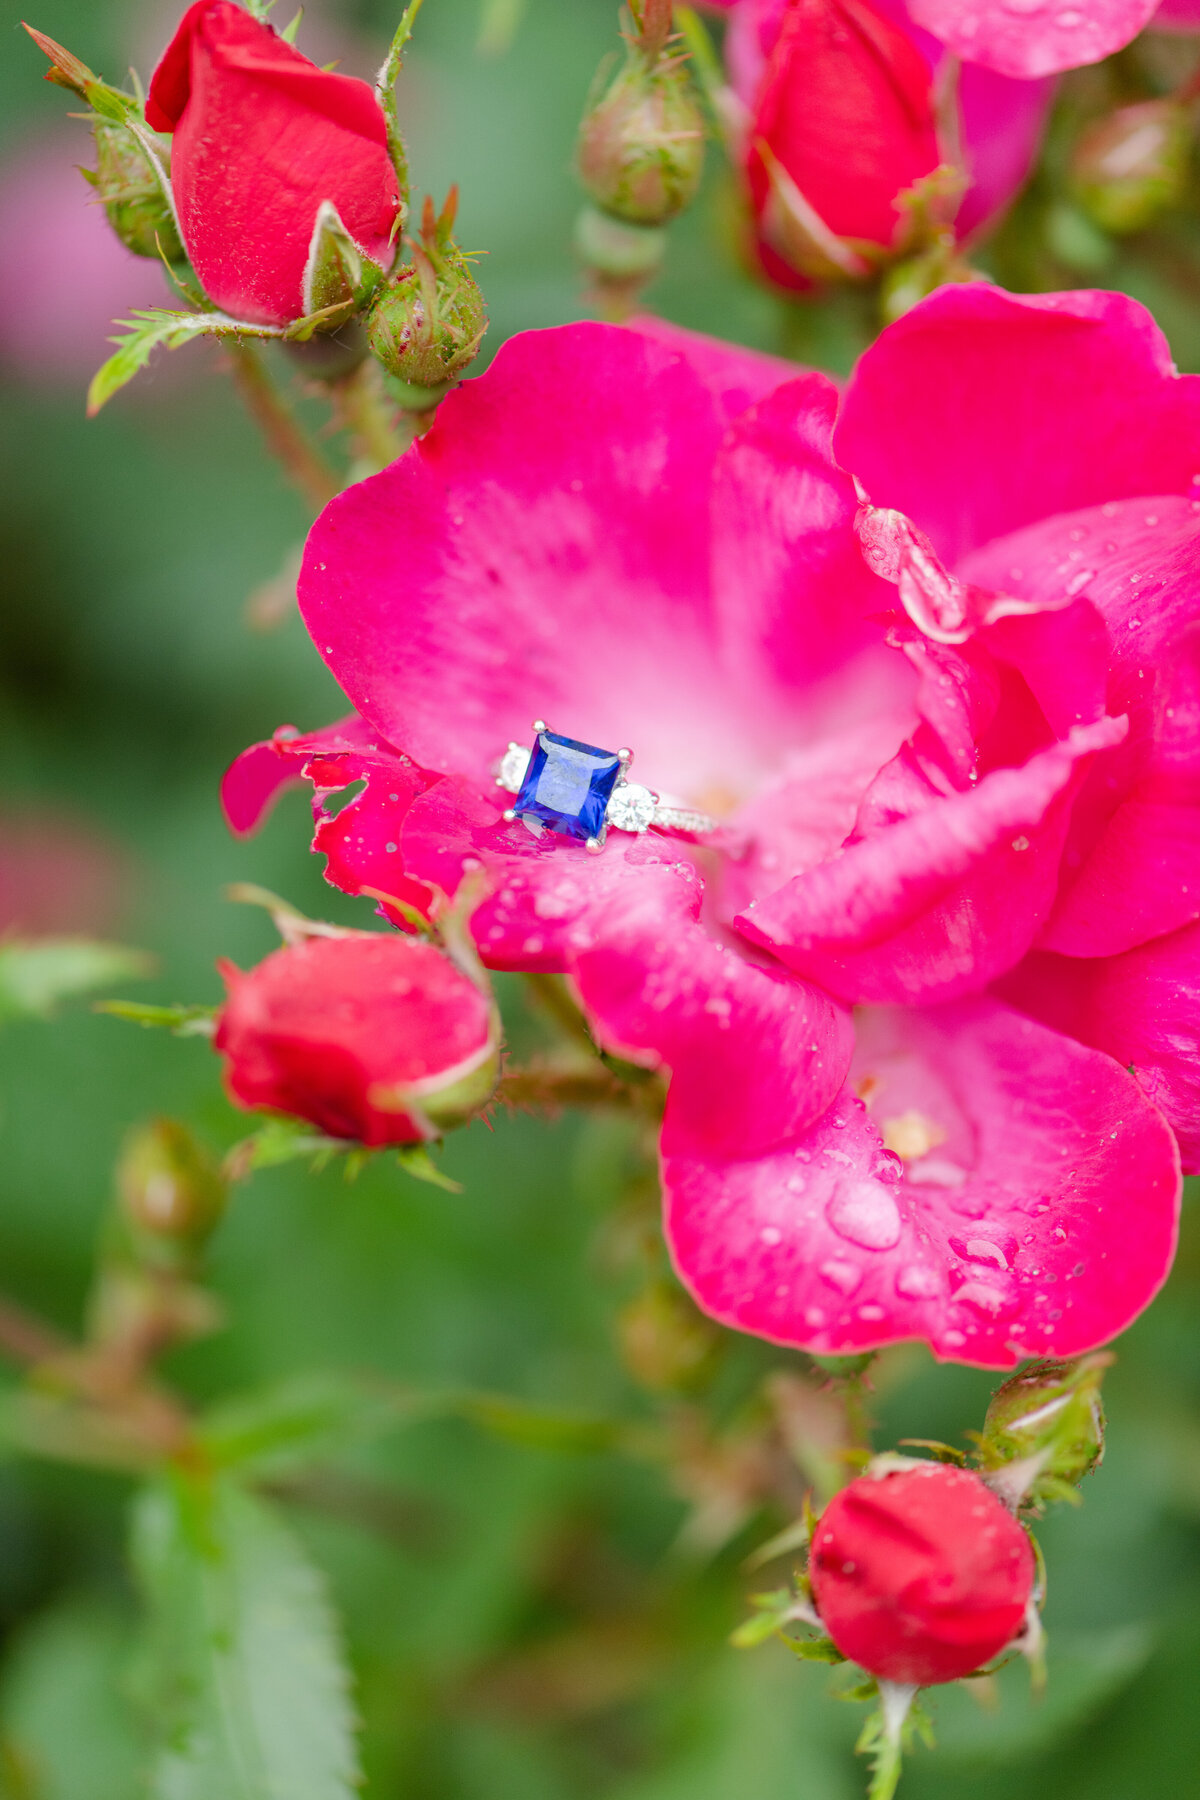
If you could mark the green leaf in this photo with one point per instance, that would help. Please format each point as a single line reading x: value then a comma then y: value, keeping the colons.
x: 245, y: 1676
x: 181, y: 1020
x: 36, y: 973
x: 536, y: 1427
x: 308, y: 1419
x: 148, y: 331
x: 69, y: 1729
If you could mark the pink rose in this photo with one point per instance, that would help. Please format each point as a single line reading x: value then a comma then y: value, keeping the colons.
x: 926, y: 723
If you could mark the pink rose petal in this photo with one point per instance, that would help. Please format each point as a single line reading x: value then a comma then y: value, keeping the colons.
x: 1008, y: 1237
x: 1032, y: 37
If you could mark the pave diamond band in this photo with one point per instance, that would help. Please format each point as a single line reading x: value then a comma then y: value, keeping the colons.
x: 580, y: 790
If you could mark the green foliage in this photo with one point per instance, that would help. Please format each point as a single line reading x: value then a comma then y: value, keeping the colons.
x: 68, y: 1726
x: 244, y: 1673
x: 37, y: 974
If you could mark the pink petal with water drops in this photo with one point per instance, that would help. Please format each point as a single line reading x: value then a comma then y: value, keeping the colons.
x: 755, y: 1055
x: 1002, y: 1230
x: 942, y: 901
x: 544, y: 896
x: 1027, y: 38
x: 1143, y: 1008
x: 980, y: 412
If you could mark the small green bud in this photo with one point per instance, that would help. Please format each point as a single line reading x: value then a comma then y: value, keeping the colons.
x: 641, y: 143
x: 172, y: 1192
x: 1044, y: 1429
x: 1133, y: 165
x: 428, y: 322
x: 133, y: 199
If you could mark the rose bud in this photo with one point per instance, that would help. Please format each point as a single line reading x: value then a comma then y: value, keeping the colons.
x: 134, y: 202
x: 842, y: 126
x: 261, y: 138
x: 380, y: 1039
x: 920, y: 1575
x: 427, y: 325
x: 1044, y: 1430
x: 641, y: 144
x: 172, y: 1193
x: 1133, y: 165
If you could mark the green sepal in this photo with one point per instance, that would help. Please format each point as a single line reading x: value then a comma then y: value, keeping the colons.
x: 822, y: 1650
x: 282, y: 1141
x: 180, y: 1020
x: 416, y: 1161
x: 337, y: 275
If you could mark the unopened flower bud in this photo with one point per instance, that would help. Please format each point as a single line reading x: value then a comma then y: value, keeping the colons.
x: 428, y: 322
x: 920, y: 1575
x: 842, y: 128
x: 1045, y: 1428
x: 171, y: 1189
x: 1133, y: 165
x: 376, y: 1038
x: 133, y: 198
x: 641, y: 144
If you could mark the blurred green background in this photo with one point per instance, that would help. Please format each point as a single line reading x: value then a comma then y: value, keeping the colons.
x: 521, y: 1621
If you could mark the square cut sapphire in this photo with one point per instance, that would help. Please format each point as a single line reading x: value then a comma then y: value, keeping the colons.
x: 567, y: 785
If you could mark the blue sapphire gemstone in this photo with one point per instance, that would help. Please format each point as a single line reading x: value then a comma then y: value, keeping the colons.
x: 567, y: 785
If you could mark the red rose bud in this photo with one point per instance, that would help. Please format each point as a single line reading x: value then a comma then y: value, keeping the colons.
x: 379, y: 1039
x: 1133, y: 165
x: 843, y: 125
x: 920, y: 1575
x: 262, y: 138
x: 641, y: 144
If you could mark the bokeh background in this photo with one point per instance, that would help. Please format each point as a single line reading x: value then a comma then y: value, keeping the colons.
x: 523, y: 1622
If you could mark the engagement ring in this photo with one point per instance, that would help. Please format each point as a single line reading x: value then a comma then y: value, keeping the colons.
x: 580, y: 790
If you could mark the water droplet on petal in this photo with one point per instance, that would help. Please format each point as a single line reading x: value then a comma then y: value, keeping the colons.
x: 844, y: 1276
x: 918, y: 1282
x: 864, y: 1212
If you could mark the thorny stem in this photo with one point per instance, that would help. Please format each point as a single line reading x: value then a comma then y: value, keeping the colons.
x: 380, y: 433
x: 151, y: 1417
x: 286, y: 438
x: 547, y: 1085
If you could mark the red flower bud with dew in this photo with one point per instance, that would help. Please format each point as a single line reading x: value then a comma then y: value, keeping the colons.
x: 380, y: 1039
x: 920, y: 1575
x: 261, y: 138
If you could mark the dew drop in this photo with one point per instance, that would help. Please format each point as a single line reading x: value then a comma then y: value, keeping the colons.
x: 844, y: 1276
x: 864, y: 1213
x: 918, y: 1282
